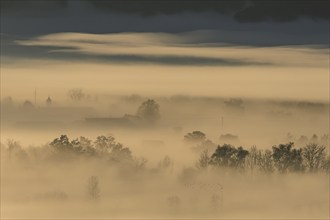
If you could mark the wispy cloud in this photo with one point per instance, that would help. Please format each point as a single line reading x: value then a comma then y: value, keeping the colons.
x: 187, y: 49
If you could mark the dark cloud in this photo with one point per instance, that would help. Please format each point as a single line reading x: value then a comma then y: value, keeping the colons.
x: 238, y: 22
x: 151, y: 7
x: 241, y: 10
x: 32, y: 7
x: 283, y: 10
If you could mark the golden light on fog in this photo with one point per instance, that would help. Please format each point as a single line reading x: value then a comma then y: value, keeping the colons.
x: 164, y: 125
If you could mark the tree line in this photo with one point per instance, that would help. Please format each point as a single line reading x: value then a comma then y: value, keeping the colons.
x: 282, y: 158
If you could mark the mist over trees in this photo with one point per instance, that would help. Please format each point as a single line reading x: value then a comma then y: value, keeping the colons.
x: 76, y: 95
x: 149, y: 111
x: 103, y: 163
x: 281, y: 158
x: 229, y: 156
x: 198, y: 142
x: 146, y: 109
x: 104, y: 147
x: 93, y: 190
x: 287, y: 158
x: 186, y: 168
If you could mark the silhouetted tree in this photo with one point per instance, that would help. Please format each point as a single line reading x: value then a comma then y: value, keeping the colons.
x: 149, y: 111
x: 62, y: 143
x: 198, y: 142
x: 76, y: 146
x: 83, y: 146
x: 120, y: 153
x: 314, y: 156
x: 287, y: 159
x: 265, y: 161
x: 240, y: 156
x: 259, y: 160
x: 104, y: 144
x: 228, y: 156
x: 107, y: 146
x: 195, y: 137
x: 224, y: 155
x: 252, y: 159
x: 104, y: 147
x: 87, y: 146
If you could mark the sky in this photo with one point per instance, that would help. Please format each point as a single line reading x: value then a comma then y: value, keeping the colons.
x: 256, y: 49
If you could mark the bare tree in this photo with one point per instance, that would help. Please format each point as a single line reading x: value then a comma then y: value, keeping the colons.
x: 265, y: 161
x: 252, y: 159
x: 203, y: 161
x: 313, y: 155
x: 93, y: 190
x: 76, y: 94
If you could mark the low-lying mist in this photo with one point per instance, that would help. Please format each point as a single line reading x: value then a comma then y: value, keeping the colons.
x: 197, y: 109
x: 254, y: 121
x: 164, y: 157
